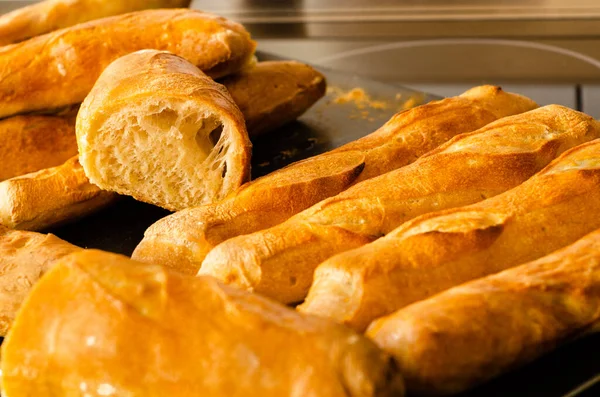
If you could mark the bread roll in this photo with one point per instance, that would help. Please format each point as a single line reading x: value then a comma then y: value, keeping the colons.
x: 279, y: 262
x: 156, y: 128
x: 471, y: 333
x: 60, y: 68
x: 182, y: 240
x: 24, y: 258
x: 272, y: 94
x: 102, y: 324
x: 31, y: 143
x: 439, y: 250
x: 50, y: 197
x: 47, y: 16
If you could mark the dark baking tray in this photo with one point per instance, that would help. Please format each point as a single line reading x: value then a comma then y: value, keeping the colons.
x: 567, y: 372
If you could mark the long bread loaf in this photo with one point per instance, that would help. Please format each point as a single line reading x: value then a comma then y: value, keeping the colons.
x: 100, y: 323
x: 473, y: 332
x: 60, y: 68
x: 439, y: 250
x: 182, y: 240
x: 50, y: 197
x: 24, y: 258
x: 279, y: 262
x: 49, y: 15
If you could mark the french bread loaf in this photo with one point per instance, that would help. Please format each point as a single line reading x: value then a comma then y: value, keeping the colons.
x: 274, y: 93
x: 183, y: 239
x: 279, y: 262
x: 50, y: 15
x: 156, y: 128
x: 24, y: 258
x: 50, y: 197
x: 34, y: 142
x: 60, y: 68
x: 436, y: 251
x: 471, y: 333
x: 102, y: 324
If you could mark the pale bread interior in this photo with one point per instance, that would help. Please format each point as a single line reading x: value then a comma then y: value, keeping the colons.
x: 171, y: 154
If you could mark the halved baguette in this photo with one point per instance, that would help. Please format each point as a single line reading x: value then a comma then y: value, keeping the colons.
x: 279, y: 262
x: 274, y: 93
x: 182, y: 240
x: 34, y: 142
x: 24, y: 258
x: 50, y: 197
x: 156, y: 128
x: 103, y: 324
x: 473, y: 332
x: 50, y: 15
x: 60, y: 68
x: 439, y: 250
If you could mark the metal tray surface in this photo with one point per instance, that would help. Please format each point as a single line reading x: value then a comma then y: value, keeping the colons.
x: 571, y: 370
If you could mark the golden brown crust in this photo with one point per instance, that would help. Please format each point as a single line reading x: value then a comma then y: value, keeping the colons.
x: 399, y: 142
x: 32, y: 143
x: 24, y: 258
x: 68, y: 62
x: 279, y: 262
x: 50, y: 15
x: 96, y: 318
x: 141, y: 87
x: 50, y: 197
x: 473, y: 332
x: 439, y: 250
x: 274, y: 93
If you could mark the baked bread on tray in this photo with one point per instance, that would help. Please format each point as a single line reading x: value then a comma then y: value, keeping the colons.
x: 182, y: 240
x: 279, y: 262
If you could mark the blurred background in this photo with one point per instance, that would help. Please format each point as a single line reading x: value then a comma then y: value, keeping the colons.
x: 546, y: 49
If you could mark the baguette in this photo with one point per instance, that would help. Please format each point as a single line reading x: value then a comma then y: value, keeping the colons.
x: 31, y: 143
x: 471, y: 333
x: 47, y: 16
x: 50, y: 197
x: 60, y: 68
x: 24, y: 258
x: 100, y: 323
x: 183, y: 239
x: 156, y: 128
x: 274, y: 93
x: 279, y: 262
x: 439, y: 250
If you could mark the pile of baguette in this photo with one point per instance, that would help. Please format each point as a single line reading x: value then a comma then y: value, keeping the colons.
x: 456, y: 242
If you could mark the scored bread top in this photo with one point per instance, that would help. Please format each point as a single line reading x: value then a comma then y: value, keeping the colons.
x: 156, y: 128
x: 60, y: 68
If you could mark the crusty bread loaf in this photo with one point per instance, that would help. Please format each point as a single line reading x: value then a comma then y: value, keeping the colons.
x: 100, y: 323
x: 50, y: 197
x: 439, y: 250
x: 49, y: 15
x: 279, y: 262
x: 31, y: 143
x: 24, y: 258
x: 182, y: 240
x: 274, y: 93
x: 60, y: 68
x: 471, y: 333
x: 156, y: 128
